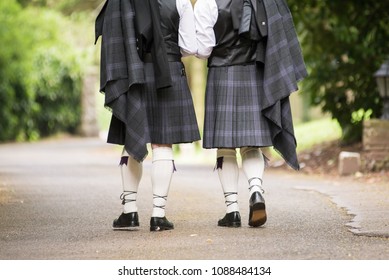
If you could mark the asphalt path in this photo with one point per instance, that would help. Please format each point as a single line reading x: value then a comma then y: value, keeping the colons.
x: 58, y: 199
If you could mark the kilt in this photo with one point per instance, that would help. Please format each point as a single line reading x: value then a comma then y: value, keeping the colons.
x: 171, y: 117
x: 233, y: 106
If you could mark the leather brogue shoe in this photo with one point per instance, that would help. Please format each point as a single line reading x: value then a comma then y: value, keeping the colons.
x: 159, y: 224
x: 257, y: 215
x: 231, y: 219
x: 126, y: 221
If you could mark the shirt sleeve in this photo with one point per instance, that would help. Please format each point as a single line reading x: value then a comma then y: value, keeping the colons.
x: 186, y: 31
x: 206, y: 13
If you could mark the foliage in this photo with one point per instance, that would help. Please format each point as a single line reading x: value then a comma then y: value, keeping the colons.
x: 344, y: 43
x: 57, y: 92
x: 15, y: 85
x: 65, y: 6
x: 39, y: 75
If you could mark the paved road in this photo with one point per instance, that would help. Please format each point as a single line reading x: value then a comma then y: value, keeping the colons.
x: 58, y: 199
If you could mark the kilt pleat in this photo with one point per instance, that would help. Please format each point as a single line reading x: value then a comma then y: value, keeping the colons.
x: 233, y: 116
x: 170, y: 111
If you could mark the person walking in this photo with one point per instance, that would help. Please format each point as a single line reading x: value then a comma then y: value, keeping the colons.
x: 254, y: 64
x: 146, y: 89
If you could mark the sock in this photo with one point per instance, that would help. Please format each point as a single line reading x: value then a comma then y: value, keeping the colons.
x: 228, y: 171
x: 161, y: 174
x: 253, y: 165
x: 131, y: 171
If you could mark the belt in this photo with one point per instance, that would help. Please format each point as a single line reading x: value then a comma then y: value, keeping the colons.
x: 147, y: 57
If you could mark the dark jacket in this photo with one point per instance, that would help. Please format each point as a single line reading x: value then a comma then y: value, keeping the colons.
x: 150, y: 39
x: 231, y: 48
x: 253, y: 20
x: 241, y: 38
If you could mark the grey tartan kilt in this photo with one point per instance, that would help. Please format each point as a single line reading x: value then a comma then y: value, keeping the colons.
x: 170, y: 111
x: 233, y: 115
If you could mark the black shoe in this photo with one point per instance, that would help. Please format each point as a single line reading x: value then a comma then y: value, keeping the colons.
x: 159, y: 224
x: 257, y: 215
x: 230, y: 220
x: 126, y: 221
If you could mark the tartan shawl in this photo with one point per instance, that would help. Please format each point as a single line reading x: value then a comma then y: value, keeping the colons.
x: 283, y: 68
x: 121, y: 77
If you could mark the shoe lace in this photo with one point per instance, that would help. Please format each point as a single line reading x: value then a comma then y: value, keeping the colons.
x: 259, y: 186
x: 159, y: 196
x: 230, y: 202
x: 124, y: 195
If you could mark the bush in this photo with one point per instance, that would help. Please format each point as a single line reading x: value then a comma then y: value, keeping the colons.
x: 40, y: 75
x: 344, y: 43
x: 15, y: 90
x: 57, y: 93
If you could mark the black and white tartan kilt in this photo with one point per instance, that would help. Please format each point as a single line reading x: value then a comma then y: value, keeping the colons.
x: 233, y: 115
x: 170, y: 111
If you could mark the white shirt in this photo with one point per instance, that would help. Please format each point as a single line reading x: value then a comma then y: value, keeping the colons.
x: 206, y: 14
x: 186, y: 30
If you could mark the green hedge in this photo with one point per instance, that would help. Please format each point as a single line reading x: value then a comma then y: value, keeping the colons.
x: 40, y: 74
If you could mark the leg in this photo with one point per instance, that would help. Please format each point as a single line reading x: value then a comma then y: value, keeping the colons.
x: 131, y: 172
x: 161, y: 175
x: 253, y: 165
x: 228, y: 172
